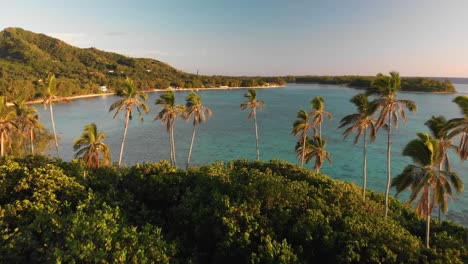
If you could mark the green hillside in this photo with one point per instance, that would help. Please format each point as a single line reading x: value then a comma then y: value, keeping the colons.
x: 26, y: 58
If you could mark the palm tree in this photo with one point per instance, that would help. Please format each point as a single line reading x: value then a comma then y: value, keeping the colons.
x: 49, y: 98
x: 253, y: 104
x: 7, y: 124
x: 198, y: 111
x: 459, y: 126
x: 130, y: 98
x: 361, y: 122
x: 300, y: 127
x: 426, y: 181
x: 168, y: 114
x: 318, y: 112
x: 437, y: 126
x: 90, y: 147
x: 387, y: 86
x: 28, y: 120
x: 315, y: 148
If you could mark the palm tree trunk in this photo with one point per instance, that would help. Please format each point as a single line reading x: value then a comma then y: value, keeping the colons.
x: 256, y: 134
x: 303, y: 148
x: 173, y: 146
x: 364, y: 170
x: 32, y: 141
x: 191, y: 145
x: 428, y: 219
x: 127, y: 117
x: 320, y: 130
x: 53, y: 128
x: 438, y: 206
x: 389, y: 150
x: 2, y: 151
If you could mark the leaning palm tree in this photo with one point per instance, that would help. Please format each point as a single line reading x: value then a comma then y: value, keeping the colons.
x: 130, y: 98
x: 459, y: 127
x: 195, y: 108
x: 387, y: 86
x: 253, y: 103
x: 7, y: 125
x: 168, y: 114
x: 318, y: 112
x: 91, y: 148
x: 301, y: 126
x: 361, y: 122
x: 428, y: 183
x: 28, y: 121
x: 315, y: 148
x: 49, y: 98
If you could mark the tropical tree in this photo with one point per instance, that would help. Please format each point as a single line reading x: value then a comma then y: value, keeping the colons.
x: 50, y: 96
x: 7, y: 125
x: 91, y: 148
x: 301, y: 127
x: 315, y: 148
x: 318, y: 112
x: 28, y: 121
x: 459, y: 127
x: 387, y: 86
x: 198, y: 111
x: 253, y: 103
x: 131, y: 98
x: 170, y: 111
x: 427, y: 182
x: 361, y: 122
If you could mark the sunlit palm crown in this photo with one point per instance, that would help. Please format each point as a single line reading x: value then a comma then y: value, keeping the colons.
x: 318, y: 108
x: 252, y: 102
x: 459, y: 126
x: 361, y: 120
x: 169, y: 110
x: 196, y: 109
x: 90, y: 145
x: 130, y: 98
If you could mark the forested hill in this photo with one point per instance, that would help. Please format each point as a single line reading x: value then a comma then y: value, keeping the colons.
x: 26, y: 58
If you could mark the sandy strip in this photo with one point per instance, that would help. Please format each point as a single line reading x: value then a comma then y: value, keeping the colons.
x: 157, y: 90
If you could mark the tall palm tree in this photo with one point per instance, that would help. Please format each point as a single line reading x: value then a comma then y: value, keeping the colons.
x: 459, y: 126
x: 28, y: 120
x: 253, y: 103
x: 131, y: 98
x: 361, y: 122
x: 198, y: 111
x: 50, y: 97
x: 426, y: 181
x: 7, y: 125
x: 318, y: 112
x: 387, y: 86
x: 90, y: 147
x: 170, y: 111
x: 301, y: 126
x: 315, y: 148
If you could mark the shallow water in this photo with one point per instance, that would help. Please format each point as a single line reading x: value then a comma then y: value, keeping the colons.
x: 229, y: 135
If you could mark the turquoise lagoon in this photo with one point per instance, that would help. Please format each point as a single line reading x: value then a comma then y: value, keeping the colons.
x: 228, y: 135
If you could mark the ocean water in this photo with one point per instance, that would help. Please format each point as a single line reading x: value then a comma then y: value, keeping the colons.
x: 228, y: 135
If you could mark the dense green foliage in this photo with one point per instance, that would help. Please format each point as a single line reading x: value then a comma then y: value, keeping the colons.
x: 416, y: 84
x: 240, y: 212
x: 26, y: 58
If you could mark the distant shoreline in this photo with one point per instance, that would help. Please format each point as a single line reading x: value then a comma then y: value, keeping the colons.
x: 158, y: 90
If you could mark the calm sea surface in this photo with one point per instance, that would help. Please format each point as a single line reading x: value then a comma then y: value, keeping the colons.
x: 229, y: 135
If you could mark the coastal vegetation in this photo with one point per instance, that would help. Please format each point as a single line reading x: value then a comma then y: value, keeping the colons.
x: 238, y: 212
x: 415, y: 84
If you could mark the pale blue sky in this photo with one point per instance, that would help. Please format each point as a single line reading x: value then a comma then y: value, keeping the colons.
x: 263, y: 37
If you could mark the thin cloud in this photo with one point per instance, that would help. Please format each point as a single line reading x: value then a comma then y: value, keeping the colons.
x: 115, y: 33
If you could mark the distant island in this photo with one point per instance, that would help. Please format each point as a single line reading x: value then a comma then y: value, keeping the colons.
x: 415, y: 84
x: 26, y: 58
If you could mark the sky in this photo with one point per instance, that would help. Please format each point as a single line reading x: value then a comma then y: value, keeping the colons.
x: 263, y: 37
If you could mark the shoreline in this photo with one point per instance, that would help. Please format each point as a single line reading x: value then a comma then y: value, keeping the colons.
x: 157, y: 90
